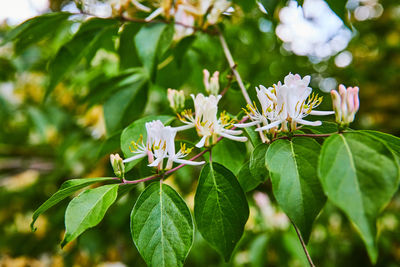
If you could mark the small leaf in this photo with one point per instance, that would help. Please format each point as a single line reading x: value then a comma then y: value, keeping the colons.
x: 162, y: 226
x: 220, y: 208
x: 87, y: 210
x: 86, y: 41
x: 359, y: 174
x: 152, y: 41
x: 254, y: 172
x: 292, y: 167
x: 257, y: 161
x: 66, y: 189
x: 133, y: 133
x: 253, y: 136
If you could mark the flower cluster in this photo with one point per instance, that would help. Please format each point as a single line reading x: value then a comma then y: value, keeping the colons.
x: 346, y: 104
x: 208, y: 126
x: 160, y: 145
x: 284, y: 105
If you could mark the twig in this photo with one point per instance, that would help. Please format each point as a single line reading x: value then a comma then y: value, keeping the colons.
x: 304, y: 246
x: 228, y: 85
x: 233, y: 66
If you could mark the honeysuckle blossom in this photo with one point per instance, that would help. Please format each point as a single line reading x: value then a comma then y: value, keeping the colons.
x: 176, y: 99
x: 205, y: 120
x: 345, y: 103
x: 211, y: 84
x: 285, y: 103
x: 160, y: 144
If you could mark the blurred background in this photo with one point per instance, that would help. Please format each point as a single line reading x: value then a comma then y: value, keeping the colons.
x: 45, y: 142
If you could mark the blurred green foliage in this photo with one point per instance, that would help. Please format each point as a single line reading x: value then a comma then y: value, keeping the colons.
x: 47, y: 140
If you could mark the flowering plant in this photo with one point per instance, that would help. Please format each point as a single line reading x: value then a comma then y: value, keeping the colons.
x: 238, y: 145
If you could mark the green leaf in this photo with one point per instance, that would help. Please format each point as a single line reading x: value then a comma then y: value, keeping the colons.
x: 181, y: 48
x: 86, y: 41
x: 292, y: 167
x: 128, y: 56
x: 257, y: 162
x: 126, y: 103
x: 339, y: 7
x: 220, y: 208
x: 152, y: 41
x: 253, y: 136
x: 359, y: 174
x: 35, y: 29
x: 87, y: 210
x: 325, y: 128
x: 254, y: 172
x: 246, y: 180
x: 162, y: 226
x: 230, y: 153
x: 67, y: 188
x: 133, y: 133
x: 392, y: 141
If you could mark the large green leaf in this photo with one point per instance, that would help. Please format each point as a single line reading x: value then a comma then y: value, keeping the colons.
x: 133, y: 133
x: 359, y: 174
x: 35, y: 29
x: 87, y: 210
x: 230, y: 153
x: 127, y: 103
x: 152, y: 41
x: 293, y: 170
x: 162, y: 226
x: 87, y: 40
x: 220, y: 208
x: 66, y: 189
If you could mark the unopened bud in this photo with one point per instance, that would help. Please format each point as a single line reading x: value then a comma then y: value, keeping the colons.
x: 176, y: 99
x: 118, y: 165
x: 211, y: 84
x: 346, y: 104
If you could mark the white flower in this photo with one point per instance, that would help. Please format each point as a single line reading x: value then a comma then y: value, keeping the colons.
x: 345, y: 103
x: 207, y: 125
x: 211, y: 84
x: 285, y: 103
x: 160, y: 144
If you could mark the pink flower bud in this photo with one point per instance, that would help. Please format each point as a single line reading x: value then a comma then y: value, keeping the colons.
x: 347, y: 105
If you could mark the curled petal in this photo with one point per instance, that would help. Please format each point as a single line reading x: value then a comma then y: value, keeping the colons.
x: 321, y: 113
x: 139, y: 156
x: 234, y: 138
x: 201, y: 142
x: 269, y: 126
x: 311, y: 123
x: 232, y: 132
x: 244, y: 125
x: 189, y: 162
x: 184, y: 127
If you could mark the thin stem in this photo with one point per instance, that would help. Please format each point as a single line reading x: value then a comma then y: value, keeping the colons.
x: 232, y: 65
x: 304, y: 246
